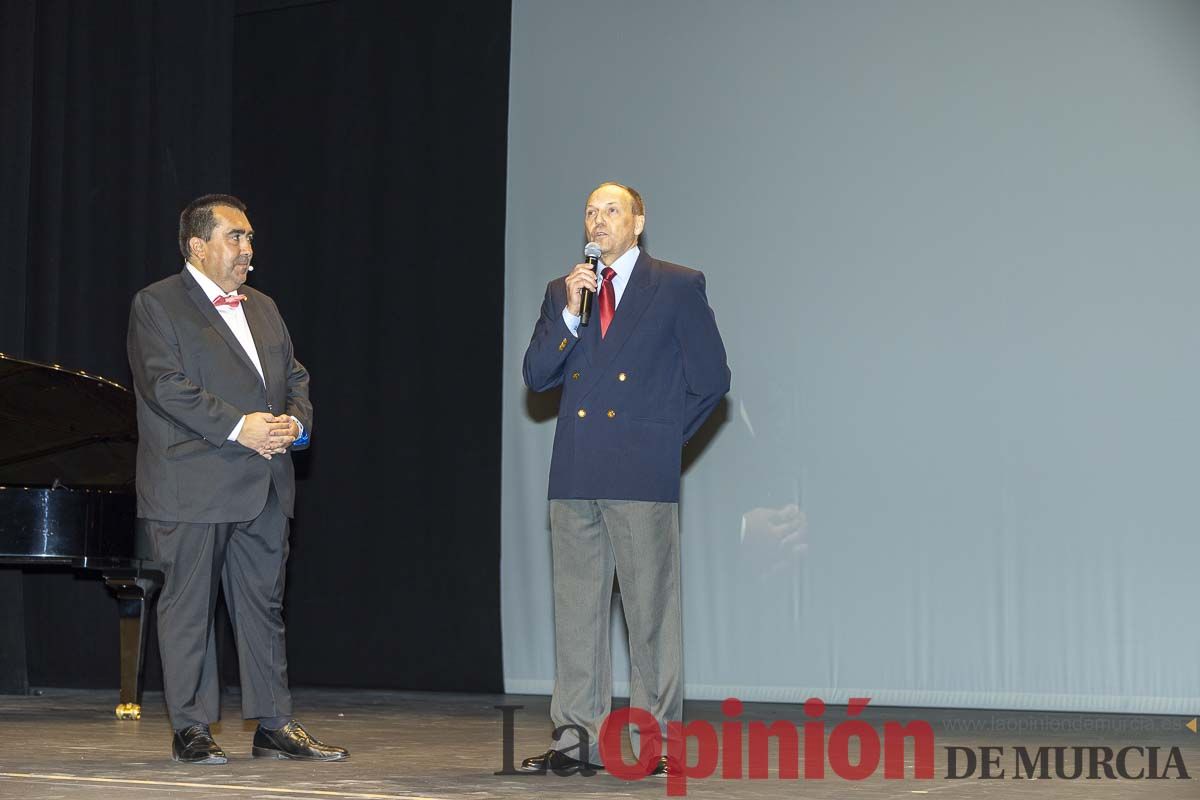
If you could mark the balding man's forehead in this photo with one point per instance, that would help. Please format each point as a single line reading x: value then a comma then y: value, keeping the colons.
x: 609, y: 195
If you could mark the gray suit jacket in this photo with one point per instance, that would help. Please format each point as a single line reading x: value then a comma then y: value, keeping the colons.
x: 193, y: 382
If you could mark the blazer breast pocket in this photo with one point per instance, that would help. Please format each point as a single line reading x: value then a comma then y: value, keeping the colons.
x: 276, y: 356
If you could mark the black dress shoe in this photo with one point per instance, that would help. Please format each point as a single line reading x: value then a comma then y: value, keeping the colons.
x: 557, y: 761
x: 665, y: 768
x: 195, y: 745
x: 292, y: 741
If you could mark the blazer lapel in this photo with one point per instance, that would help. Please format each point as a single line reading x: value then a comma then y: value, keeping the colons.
x: 258, y: 331
x: 634, y: 302
x: 213, y: 316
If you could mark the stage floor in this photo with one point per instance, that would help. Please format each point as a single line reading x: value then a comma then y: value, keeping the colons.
x: 67, y: 744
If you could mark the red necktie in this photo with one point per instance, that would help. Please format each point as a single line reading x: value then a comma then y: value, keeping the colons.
x: 232, y: 302
x: 608, y: 300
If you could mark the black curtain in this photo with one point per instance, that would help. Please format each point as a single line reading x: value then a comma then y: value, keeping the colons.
x: 368, y: 139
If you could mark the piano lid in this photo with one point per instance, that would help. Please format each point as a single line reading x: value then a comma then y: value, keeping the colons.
x: 60, y: 426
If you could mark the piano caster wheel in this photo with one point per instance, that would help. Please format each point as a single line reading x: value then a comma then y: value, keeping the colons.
x: 129, y: 711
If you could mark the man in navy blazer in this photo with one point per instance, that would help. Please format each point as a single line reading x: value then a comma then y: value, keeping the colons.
x: 637, y: 382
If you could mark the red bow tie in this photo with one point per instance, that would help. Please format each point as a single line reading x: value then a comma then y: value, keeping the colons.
x: 232, y: 302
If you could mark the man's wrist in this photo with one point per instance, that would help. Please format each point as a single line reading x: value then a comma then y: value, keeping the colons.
x: 572, y: 321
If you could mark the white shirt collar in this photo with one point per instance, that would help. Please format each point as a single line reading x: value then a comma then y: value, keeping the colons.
x: 208, y: 285
x: 624, y: 265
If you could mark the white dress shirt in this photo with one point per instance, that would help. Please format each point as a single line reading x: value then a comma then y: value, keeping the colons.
x: 235, y: 318
x: 623, y: 266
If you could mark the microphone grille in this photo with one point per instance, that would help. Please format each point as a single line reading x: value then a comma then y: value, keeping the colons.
x: 592, y: 250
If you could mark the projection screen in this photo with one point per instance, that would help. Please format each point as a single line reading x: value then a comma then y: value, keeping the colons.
x: 951, y: 247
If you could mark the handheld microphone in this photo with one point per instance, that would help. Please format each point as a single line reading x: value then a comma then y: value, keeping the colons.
x: 592, y: 254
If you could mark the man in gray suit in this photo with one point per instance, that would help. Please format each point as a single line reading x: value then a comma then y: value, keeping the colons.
x: 221, y: 401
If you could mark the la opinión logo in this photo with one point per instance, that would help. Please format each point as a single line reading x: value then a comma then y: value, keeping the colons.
x: 700, y: 748
x: 722, y: 745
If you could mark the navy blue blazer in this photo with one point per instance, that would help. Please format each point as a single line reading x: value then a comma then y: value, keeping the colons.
x: 633, y: 398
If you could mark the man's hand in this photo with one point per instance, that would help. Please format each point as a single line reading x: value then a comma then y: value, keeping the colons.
x: 286, y: 437
x: 582, y: 277
x: 267, y: 434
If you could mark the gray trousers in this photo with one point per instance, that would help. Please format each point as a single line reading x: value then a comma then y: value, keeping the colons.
x: 248, y: 560
x: 639, y: 541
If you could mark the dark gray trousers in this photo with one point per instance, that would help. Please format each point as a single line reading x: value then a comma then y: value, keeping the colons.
x: 248, y: 560
x: 639, y: 541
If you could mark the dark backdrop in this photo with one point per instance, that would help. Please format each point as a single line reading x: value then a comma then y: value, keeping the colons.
x: 368, y: 140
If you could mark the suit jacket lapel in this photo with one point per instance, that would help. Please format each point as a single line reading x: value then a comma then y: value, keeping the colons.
x: 257, y: 321
x: 634, y: 302
x: 214, y: 319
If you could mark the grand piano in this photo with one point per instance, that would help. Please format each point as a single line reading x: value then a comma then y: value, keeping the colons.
x: 68, y: 451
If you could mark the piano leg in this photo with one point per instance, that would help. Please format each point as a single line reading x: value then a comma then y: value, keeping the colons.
x: 134, y: 592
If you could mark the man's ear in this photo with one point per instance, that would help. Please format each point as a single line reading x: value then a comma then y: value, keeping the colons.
x: 639, y: 224
x: 198, y: 247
